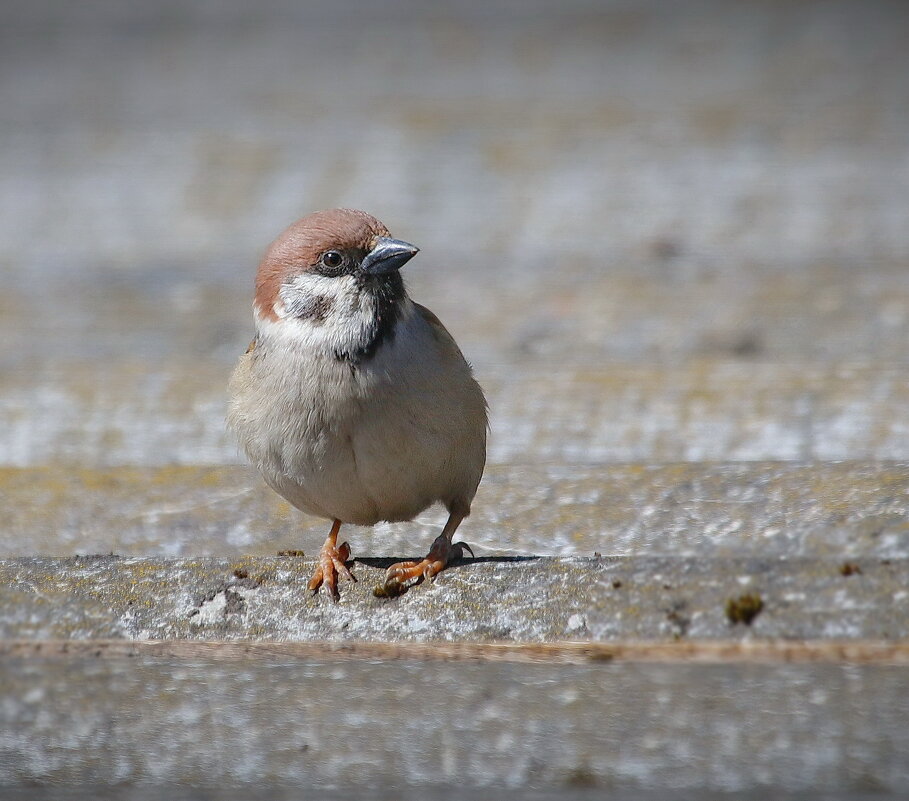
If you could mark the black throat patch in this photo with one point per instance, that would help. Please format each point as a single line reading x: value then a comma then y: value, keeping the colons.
x: 388, y: 291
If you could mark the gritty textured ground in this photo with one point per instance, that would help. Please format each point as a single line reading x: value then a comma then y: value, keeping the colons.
x: 131, y: 413
x: 834, y: 511
x: 495, y: 598
x: 268, y: 721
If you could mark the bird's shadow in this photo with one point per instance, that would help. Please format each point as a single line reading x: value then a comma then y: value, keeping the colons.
x: 384, y: 562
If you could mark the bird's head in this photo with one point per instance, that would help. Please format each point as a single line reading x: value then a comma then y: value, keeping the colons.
x: 333, y: 275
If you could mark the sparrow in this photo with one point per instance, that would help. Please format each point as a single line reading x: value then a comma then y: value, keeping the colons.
x: 353, y: 401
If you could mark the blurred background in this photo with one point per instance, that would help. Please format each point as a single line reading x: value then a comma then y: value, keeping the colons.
x: 661, y: 233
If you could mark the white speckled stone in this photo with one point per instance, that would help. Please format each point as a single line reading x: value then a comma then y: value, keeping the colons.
x: 525, y: 599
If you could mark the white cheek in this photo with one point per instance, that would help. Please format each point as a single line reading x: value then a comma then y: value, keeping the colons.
x: 341, y: 291
x: 342, y: 327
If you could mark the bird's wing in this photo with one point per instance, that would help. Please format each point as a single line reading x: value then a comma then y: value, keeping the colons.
x: 440, y: 332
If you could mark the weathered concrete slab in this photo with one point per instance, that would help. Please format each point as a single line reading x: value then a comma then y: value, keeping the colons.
x: 489, y: 599
x: 405, y: 725
x: 44, y: 792
x: 140, y: 414
x: 765, y: 132
x: 841, y: 510
x: 634, y: 309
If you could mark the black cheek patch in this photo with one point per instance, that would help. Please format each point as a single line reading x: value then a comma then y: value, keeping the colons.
x: 315, y: 309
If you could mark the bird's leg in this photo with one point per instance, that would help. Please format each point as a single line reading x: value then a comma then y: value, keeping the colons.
x: 442, y: 553
x: 331, y: 564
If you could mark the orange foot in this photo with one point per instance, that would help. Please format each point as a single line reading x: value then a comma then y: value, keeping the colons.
x: 332, y: 560
x: 441, y: 554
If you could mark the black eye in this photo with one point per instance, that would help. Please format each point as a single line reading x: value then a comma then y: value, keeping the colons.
x: 331, y: 258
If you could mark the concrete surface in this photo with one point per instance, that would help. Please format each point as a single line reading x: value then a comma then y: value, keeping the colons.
x: 131, y: 414
x: 344, y: 725
x: 838, y: 510
x: 767, y: 131
x: 644, y: 308
x: 490, y: 599
x: 420, y: 793
x: 435, y: 793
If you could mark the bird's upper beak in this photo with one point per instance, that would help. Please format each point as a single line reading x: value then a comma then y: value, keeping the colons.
x: 388, y: 255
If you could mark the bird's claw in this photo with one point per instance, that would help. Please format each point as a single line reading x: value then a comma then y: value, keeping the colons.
x: 457, y: 551
x: 331, y: 565
x: 398, y: 575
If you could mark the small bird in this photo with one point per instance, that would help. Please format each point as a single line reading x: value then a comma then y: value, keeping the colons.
x: 354, y: 402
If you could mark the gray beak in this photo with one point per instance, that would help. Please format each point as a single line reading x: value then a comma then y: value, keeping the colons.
x: 387, y: 256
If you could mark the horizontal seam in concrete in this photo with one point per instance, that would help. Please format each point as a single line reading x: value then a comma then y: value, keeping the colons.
x: 866, y: 652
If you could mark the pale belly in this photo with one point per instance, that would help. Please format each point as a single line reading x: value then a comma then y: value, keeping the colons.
x: 380, y: 443
x: 360, y: 477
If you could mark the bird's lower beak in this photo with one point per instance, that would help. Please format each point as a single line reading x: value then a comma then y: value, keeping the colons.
x: 388, y: 255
